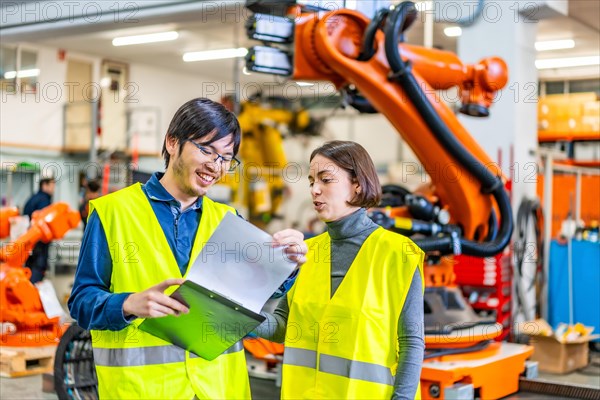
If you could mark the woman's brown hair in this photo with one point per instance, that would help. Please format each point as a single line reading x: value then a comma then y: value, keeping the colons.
x: 353, y: 158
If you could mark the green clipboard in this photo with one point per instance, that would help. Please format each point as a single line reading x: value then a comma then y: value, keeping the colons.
x: 213, y: 325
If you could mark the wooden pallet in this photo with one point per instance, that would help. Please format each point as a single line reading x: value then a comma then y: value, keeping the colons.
x: 24, y: 361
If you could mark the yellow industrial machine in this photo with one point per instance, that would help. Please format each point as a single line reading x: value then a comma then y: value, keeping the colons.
x: 259, y: 185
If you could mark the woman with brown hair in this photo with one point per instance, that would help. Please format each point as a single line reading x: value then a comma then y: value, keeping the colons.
x: 353, y: 321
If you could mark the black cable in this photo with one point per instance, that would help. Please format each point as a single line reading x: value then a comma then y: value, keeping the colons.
x: 469, y: 20
x: 393, y: 195
x: 493, y: 224
x: 368, y: 46
x: 460, y: 350
x: 490, y: 183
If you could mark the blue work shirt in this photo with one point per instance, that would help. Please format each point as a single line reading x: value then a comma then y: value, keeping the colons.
x: 38, y: 201
x: 92, y: 303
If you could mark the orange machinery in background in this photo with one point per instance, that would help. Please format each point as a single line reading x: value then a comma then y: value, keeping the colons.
x: 261, y: 349
x: 563, y: 196
x: 20, y: 302
x: 471, y: 214
x: 568, y: 121
x: 569, y: 118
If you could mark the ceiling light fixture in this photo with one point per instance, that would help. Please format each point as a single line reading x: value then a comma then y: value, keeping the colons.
x: 24, y: 73
x: 567, y: 62
x: 105, y: 82
x: 554, y: 45
x: 453, y: 31
x: 142, y: 39
x: 215, y: 54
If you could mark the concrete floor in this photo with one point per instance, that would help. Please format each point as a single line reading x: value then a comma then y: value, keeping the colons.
x: 30, y: 387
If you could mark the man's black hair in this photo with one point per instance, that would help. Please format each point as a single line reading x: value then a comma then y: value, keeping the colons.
x: 199, y: 118
x: 93, y: 186
x: 44, y: 182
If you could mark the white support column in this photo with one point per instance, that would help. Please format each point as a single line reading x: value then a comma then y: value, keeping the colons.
x: 509, y: 135
x: 512, y: 125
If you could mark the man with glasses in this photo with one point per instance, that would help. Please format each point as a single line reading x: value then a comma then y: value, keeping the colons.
x: 230, y: 161
x: 141, y: 240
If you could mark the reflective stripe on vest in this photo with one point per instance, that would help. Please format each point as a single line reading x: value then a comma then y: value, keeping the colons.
x: 137, y: 356
x: 300, y: 357
x: 339, y: 366
x: 355, y: 369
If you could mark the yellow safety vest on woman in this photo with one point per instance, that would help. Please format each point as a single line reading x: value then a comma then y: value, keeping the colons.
x: 346, y: 346
x: 131, y: 363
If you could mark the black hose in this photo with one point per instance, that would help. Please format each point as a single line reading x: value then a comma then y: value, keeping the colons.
x: 393, y: 195
x: 443, y: 244
x: 359, y: 102
x: 493, y: 225
x: 392, y: 33
x: 490, y: 184
x: 368, y: 46
x: 461, y: 350
x: 469, y: 20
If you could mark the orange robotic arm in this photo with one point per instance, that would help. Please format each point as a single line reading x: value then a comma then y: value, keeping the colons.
x: 46, y: 225
x: 5, y: 215
x: 20, y: 301
x: 400, y: 80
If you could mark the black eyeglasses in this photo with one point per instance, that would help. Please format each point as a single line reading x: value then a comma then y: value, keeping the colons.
x: 231, y: 163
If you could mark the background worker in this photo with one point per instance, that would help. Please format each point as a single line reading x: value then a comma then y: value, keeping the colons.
x: 354, y: 316
x: 38, y: 260
x: 139, y: 242
x: 92, y: 191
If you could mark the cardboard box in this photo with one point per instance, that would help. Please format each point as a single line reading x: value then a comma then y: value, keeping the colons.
x: 554, y: 355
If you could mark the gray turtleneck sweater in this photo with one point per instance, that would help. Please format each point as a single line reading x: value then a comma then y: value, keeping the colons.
x: 347, y: 236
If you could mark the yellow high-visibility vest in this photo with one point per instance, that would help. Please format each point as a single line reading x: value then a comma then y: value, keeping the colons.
x: 346, y: 346
x: 131, y: 363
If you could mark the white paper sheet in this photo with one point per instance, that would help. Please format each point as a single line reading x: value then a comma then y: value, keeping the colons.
x: 49, y: 299
x: 239, y: 262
